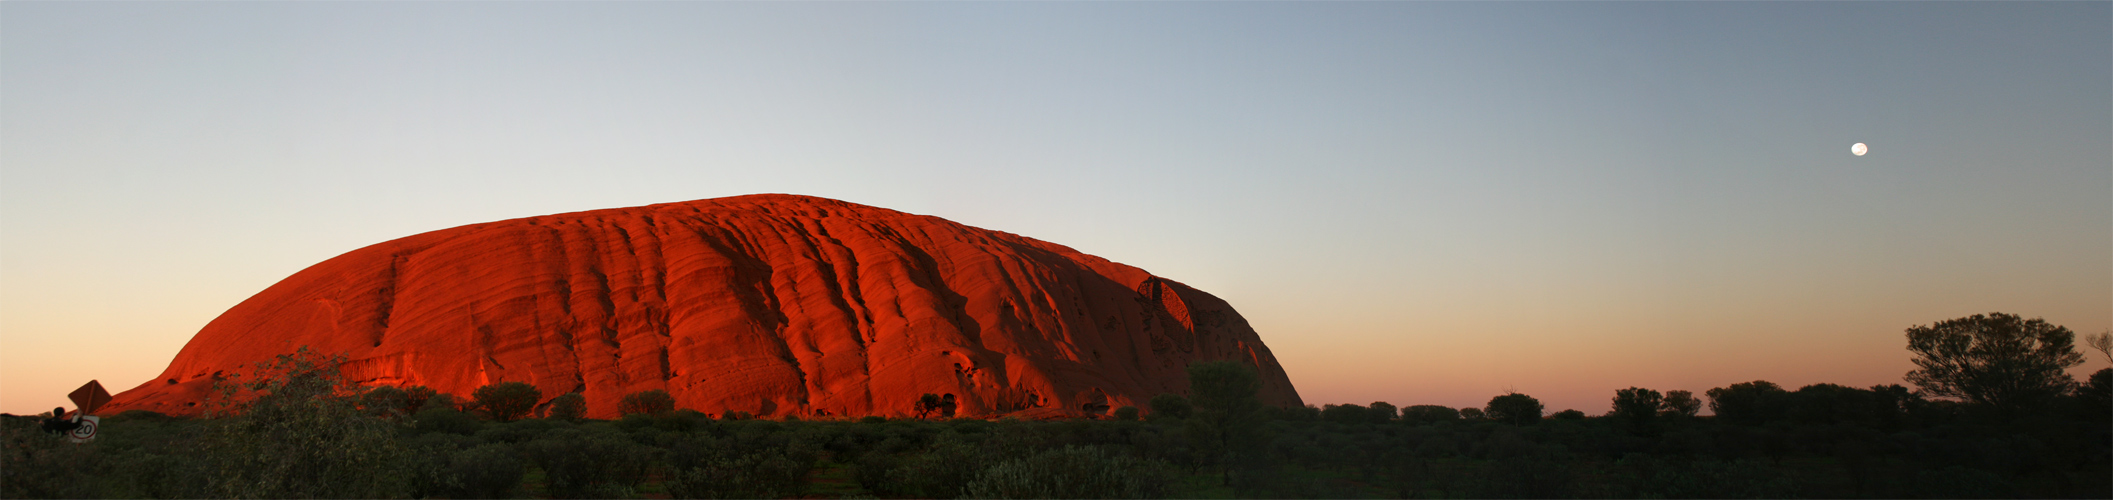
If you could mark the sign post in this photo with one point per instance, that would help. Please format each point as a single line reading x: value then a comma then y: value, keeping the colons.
x: 87, y: 398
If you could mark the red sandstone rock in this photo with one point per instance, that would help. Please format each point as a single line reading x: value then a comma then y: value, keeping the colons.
x: 769, y: 304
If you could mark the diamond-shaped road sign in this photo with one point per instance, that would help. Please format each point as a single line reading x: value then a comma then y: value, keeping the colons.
x: 89, y: 397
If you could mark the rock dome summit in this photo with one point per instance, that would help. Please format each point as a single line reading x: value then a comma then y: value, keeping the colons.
x: 776, y: 305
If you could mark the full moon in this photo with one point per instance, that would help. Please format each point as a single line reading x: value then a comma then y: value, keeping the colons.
x: 1859, y: 149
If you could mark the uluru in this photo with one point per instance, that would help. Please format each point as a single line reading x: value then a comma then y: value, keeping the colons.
x: 775, y: 305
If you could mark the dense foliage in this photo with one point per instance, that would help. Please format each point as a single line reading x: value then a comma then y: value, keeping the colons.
x: 294, y: 430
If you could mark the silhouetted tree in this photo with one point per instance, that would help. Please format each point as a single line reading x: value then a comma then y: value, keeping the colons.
x: 927, y: 405
x: 652, y: 402
x: 1428, y: 414
x: 1170, y: 406
x: 1343, y: 414
x: 1637, y: 408
x: 1748, y: 402
x: 1680, y: 404
x: 2101, y: 342
x: 1830, y: 403
x: 507, y: 401
x: 1514, y: 408
x: 1380, y: 412
x: 1569, y: 415
x: 415, y: 398
x: 568, y: 406
x: 2096, y: 396
x: 1997, y: 360
x: 1126, y: 413
x: 1471, y: 413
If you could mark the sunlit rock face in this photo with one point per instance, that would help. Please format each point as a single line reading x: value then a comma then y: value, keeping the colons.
x: 769, y: 304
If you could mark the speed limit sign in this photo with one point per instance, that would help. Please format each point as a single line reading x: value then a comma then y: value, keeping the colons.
x: 86, y: 432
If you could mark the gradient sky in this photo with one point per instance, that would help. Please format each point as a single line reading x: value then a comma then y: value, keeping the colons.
x: 1420, y: 203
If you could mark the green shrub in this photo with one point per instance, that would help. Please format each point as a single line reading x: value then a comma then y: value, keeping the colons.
x: 302, y: 435
x: 1170, y: 406
x: 1126, y: 413
x: 1073, y: 472
x: 35, y: 464
x: 582, y: 464
x: 755, y: 475
x: 486, y: 471
x: 441, y: 418
x: 943, y: 471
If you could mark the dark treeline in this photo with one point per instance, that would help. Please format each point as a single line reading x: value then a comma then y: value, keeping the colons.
x: 296, y: 431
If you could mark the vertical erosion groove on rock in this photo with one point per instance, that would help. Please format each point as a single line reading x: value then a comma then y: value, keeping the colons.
x: 768, y: 304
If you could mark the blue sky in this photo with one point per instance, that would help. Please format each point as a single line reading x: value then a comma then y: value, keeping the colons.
x: 1421, y: 203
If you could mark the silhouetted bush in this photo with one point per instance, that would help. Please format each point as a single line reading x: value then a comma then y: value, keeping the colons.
x: 1637, y: 408
x: 507, y: 401
x: 569, y: 406
x: 1344, y: 414
x: 653, y: 402
x: 1515, y: 409
x: 1679, y: 405
x: 1169, y: 406
x: 1749, y: 403
x: 1380, y: 412
x: 1072, y: 472
x: 1471, y: 414
x: 1568, y: 415
x: 1429, y: 414
x: 1126, y: 413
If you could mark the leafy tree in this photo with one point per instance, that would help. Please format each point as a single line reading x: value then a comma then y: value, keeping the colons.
x: 1515, y: 408
x: 1428, y: 414
x: 1753, y: 402
x: 1380, y: 412
x: 1997, y: 360
x: 568, y: 406
x: 1680, y: 404
x: 1569, y: 415
x: 1637, y: 407
x: 1471, y: 413
x: 507, y: 401
x: 1227, y: 420
x: 1170, y: 406
x: 653, y: 402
